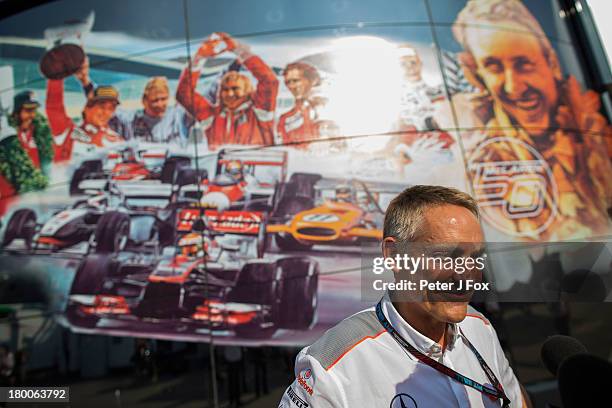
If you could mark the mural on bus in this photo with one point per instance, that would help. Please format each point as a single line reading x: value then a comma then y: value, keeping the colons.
x: 222, y: 179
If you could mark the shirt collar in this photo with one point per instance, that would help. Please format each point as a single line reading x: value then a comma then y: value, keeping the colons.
x: 420, y: 342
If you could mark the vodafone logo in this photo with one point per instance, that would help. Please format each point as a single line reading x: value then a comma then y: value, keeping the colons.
x: 306, y: 381
x: 234, y: 221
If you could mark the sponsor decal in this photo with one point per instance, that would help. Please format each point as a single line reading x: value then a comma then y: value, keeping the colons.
x: 403, y: 401
x: 521, y: 189
x: 324, y: 218
x: 306, y: 380
x: 300, y: 403
x: 240, y: 222
x: 234, y: 221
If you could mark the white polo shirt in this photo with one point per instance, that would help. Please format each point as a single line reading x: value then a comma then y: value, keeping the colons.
x: 359, y: 364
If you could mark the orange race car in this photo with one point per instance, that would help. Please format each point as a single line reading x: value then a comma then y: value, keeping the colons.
x: 312, y: 210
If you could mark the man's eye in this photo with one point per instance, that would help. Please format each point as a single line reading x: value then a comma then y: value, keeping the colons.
x: 494, y: 66
x: 524, y: 65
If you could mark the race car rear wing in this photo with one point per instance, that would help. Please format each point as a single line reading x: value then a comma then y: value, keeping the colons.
x: 221, y: 222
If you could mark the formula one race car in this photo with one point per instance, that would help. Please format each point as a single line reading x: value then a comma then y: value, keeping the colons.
x: 130, y: 164
x: 311, y: 210
x: 244, y: 180
x: 215, y: 279
x: 105, y: 221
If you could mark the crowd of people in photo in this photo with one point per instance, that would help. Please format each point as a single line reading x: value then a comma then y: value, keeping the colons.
x: 519, y: 93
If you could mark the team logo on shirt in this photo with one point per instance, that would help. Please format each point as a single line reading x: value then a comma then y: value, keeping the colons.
x: 306, y: 380
x: 403, y: 401
x: 300, y: 403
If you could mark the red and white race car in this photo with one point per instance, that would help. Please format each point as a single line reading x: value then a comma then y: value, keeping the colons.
x: 244, y: 180
x: 131, y: 164
x: 216, y: 278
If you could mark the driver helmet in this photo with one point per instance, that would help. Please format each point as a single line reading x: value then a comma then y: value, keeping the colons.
x: 128, y: 155
x: 191, y: 245
x: 344, y: 193
x: 235, y: 169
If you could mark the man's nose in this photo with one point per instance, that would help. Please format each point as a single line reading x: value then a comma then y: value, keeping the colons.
x: 514, y: 85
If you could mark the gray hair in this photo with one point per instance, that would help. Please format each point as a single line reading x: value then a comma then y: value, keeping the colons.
x: 404, y: 216
x: 494, y: 12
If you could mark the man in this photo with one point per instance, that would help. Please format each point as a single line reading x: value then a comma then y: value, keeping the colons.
x: 157, y: 122
x: 344, y: 194
x: 399, y: 354
x: 533, y: 116
x: 25, y: 157
x: 419, y: 141
x: 235, y: 170
x: 243, y: 116
x: 300, y: 123
x: 418, y: 97
x: 94, y: 131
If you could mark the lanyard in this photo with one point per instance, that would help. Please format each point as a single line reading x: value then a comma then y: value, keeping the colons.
x: 493, y: 393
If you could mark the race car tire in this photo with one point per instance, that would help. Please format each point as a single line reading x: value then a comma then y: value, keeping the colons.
x: 287, y: 208
x: 81, y: 173
x: 257, y: 283
x: 305, y: 183
x: 186, y: 176
x: 299, y: 281
x: 89, y: 280
x: 263, y: 238
x: 22, y: 224
x: 92, y: 273
x: 290, y: 206
x: 172, y: 167
x: 112, y: 232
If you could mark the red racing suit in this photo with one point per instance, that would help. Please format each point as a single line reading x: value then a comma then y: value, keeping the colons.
x: 69, y: 137
x: 252, y: 123
x: 6, y: 193
x: 299, y: 124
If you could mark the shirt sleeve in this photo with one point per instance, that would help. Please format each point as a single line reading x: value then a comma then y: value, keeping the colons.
x: 121, y: 122
x: 313, y: 386
x: 507, y: 378
x: 264, y: 97
x: 189, y: 98
x: 184, y: 121
x: 54, y: 105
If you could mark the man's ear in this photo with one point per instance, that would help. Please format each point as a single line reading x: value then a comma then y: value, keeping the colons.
x: 389, y: 247
x: 470, y: 70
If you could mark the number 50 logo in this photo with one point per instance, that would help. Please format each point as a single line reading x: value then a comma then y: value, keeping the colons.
x: 518, y: 189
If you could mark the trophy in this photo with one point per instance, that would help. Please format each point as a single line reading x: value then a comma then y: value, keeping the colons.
x: 65, y: 55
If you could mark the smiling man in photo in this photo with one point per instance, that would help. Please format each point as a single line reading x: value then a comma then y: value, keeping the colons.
x: 533, y: 115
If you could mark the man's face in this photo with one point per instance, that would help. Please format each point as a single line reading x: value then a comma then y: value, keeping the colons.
x: 26, y: 116
x: 233, y: 93
x: 297, y: 83
x: 412, y: 66
x: 100, y: 113
x: 517, y: 74
x: 448, y: 231
x: 156, y: 102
